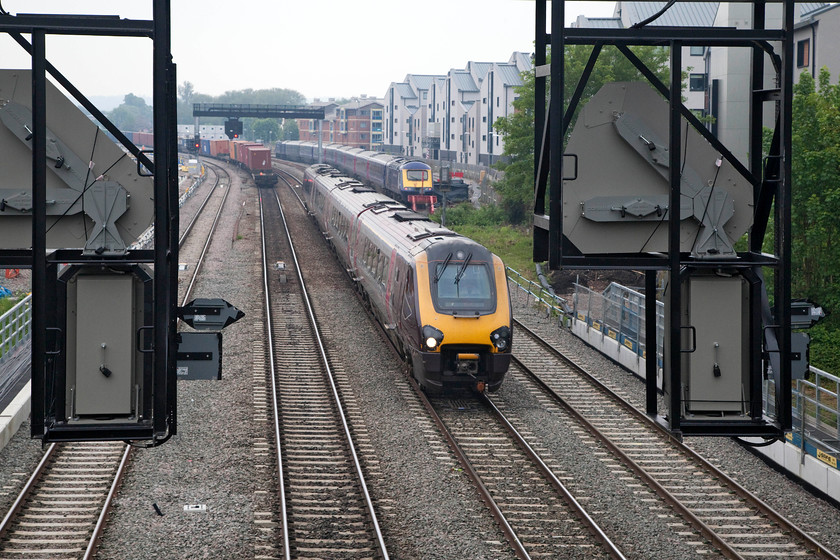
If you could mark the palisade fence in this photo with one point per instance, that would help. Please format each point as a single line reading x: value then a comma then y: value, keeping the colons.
x: 618, y: 313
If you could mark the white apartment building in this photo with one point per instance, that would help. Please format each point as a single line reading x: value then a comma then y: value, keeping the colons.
x: 450, y: 117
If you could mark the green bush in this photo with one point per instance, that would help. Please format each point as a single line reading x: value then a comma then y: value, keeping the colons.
x: 465, y: 214
x: 824, y: 339
x: 6, y: 303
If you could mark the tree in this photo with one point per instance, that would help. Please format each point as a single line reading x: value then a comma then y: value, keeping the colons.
x: 290, y: 130
x: 132, y: 115
x: 185, y: 92
x: 517, y: 188
x: 815, y: 169
x: 266, y: 130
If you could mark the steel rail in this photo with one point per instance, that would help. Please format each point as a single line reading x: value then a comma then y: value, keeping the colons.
x: 742, y: 492
x: 203, y: 204
x: 106, y: 507
x: 578, y: 509
x: 284, y: 518
x: 486, y: 497
x: 27, y: 489
x: 330, y: 378
x: 200, y: 262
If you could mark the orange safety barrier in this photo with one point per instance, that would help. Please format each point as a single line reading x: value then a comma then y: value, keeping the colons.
x: 12, y: 272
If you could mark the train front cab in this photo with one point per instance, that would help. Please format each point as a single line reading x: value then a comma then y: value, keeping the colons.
x: 465, y: 319
x: 415, y: 185
x: 415, y: 178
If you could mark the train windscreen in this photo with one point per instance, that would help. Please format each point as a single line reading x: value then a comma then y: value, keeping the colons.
x: 463, y: 287
x: 417, y: 174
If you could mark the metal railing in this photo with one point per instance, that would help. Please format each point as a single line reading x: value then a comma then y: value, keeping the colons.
x: 619, y: 312
x: 554, y: 305
x: 144, y: 241
x: 15, y: 327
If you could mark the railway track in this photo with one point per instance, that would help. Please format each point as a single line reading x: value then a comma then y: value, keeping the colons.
x: 731, y: 519
x: 62, y: 509
x: 715, y: 515
x: 325, y: 508
x: 537, y: 513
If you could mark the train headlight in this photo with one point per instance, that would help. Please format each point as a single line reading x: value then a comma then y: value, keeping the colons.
x: 501, y: 338
x: 432, y: 337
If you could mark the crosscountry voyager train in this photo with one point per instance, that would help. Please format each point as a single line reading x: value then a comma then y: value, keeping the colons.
x: 396, y: 176
x: 442, y: 298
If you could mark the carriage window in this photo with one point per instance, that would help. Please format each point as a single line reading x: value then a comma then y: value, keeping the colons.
x: 417, y: 174
x: 386, y: 262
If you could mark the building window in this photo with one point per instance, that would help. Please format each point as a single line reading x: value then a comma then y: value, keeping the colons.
x: 452, y: 137
x: 497, y: 102
x: 484, y: 118
x: 803, y: 53
x: 697, y: 82
x: 484, y: 138
x: 484, y: 101
x: 453, y: 103
x: 696, y: 51
x: 453, y: 119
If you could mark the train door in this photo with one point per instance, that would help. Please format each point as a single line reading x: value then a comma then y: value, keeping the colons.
x: 408, y: 311
x: 392, y: 278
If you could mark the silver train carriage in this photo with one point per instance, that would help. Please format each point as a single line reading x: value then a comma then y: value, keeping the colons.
x: 395, y: 176
x: 442, y: 298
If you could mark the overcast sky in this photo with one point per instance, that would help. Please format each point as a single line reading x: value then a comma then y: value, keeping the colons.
x: 321, y: 48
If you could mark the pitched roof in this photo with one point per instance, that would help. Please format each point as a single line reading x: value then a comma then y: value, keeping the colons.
x: 522, y: 60
x: 421, y: 81
x: 405, y: 91
x: 806, y: 8
x: 480, y: 68
x: 682, y: 14
x: 597, y: 23
x: 508, y: 74
x: 463, y: 81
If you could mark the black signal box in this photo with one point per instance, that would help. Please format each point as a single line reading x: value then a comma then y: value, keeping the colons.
x: 233, y: 128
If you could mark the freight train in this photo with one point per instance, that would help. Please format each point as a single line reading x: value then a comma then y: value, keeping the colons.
x: 442, y: 298
x: 408, y: 181
x: 250, y: 156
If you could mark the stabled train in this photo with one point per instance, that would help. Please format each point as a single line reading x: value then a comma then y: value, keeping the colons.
x: 250, y: 156
x: 405, y: 180
x: 442, y: 298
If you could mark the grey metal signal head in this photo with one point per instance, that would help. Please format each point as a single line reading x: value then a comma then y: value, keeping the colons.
x: 619, y: 201
x: 96, y: 200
